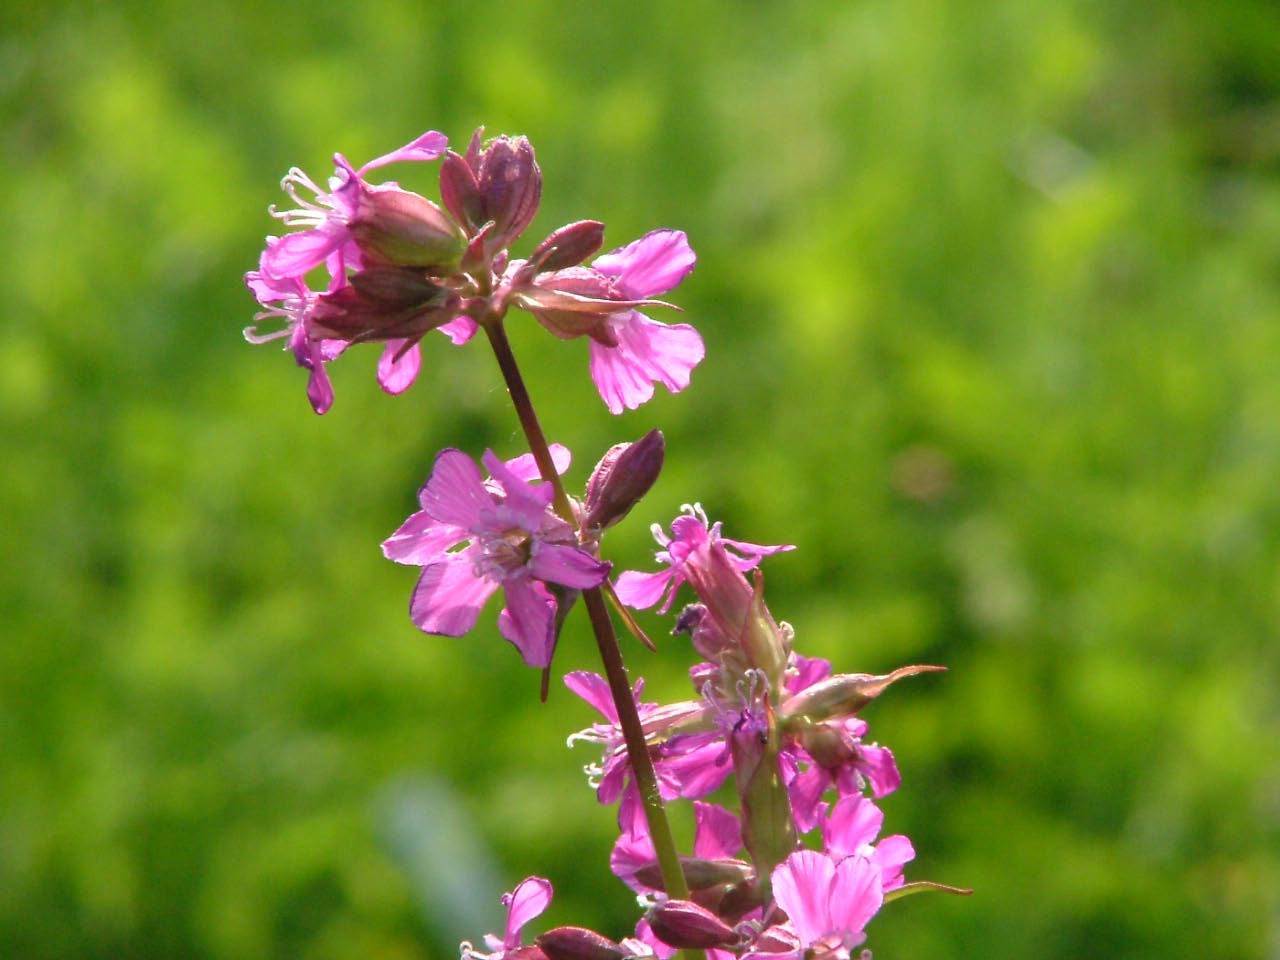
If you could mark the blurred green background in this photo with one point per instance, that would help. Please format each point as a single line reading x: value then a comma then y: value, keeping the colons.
x: 991, y: 294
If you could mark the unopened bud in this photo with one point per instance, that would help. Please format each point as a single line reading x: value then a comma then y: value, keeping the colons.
x: 684, y: 924
x: 568, y: 246
x: 578, y: 943
x: 399, y: 228
x: 460, y: 193
x: 510, y: 185
x: 624, y: 475
x: 384, y: 303
x: 699, y: 874
x: 827, y: 745
x: 846, y: 693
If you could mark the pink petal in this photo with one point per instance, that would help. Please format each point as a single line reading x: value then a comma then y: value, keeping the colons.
x: 567, y: 566
x: 805, y: 792
x: 526, y: 901
x: 448, y: 597
x: 396, y: 376
x: 426, y: 147
x: 802, y: 887
x: 459, y: 329
x: 717, y: 834
x: 648, y: 352
x: 319, y: 389
x: 641, y: 591
x: 701, y: 770
x: 526, y: 468
x: 295, y: 253
x: 809, y: 670
x: 455, y: 493
x: 528, y: 501
x: 527, y: 620
x: 889, y: 855
x: 594, y: 689
x: 629, y: 855
x: 878, y: 766
x: 420, y: 540
x: 856, y: 895
x: 854, y: 822
x: 651, y: 265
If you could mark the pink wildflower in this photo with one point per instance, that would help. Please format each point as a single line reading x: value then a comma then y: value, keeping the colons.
x: 646, y: 351
x: 828, y: 904
x: 288, y: 299
x: 509, y: 538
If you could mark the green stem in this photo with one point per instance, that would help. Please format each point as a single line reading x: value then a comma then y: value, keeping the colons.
x: 601, y: 625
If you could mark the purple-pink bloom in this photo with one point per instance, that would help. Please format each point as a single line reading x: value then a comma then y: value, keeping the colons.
x: 852, y: 828
x: 328, y: 238
x: 646, y: 352
x: 473, y: 536
x: 288, y: 299
x: 529, y: 899
x: 689, y: 534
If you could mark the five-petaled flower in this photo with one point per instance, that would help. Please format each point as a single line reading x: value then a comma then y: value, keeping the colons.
x: 473, y: 536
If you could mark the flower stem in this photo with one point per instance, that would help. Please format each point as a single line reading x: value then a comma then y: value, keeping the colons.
x: 601, y: 625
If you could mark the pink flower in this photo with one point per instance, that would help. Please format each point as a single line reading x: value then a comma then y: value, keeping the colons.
x: 329, y: 215
x: 472, y: 537
x: 646, y: 351
x: 690, y: 541
x: 528, y: 900
x: 852, y: 829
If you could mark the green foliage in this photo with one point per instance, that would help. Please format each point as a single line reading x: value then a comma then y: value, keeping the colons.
x: 990, y: 293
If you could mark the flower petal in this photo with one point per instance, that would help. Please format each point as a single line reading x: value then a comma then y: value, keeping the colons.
x: 567, y: 566
x: 448, y: 596
x: 397, y: 375
x: 854, y: 822
x: 856, y: 895
x: 426, y: 147
x: 455, y: 493
x: 594, y: 689
x: 295, y: 253
x: 802, y: 887
x: 648, y: 352
x: 651, y: 265
x: 717, y: 833
x: 526, y: 901
x: 420, y: 540
x: 640, y: 591
x: 459, y: 329
x: 527, y: 621
x: 526, y: 468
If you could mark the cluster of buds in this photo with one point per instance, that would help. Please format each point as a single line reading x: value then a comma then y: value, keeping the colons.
x: 398, y: 266
x: 800, y: 868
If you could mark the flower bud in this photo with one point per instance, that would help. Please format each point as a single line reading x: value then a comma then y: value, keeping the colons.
x: 578, y: 943
x: 398, y: 228
x: 846, y: 693
x: 699, y: 874
x: 510, y: 186
x: 383, y: 303
x: 624, y: 475
x: 460, y: 193
x: 829, y: 746
x: 568, y: 246
x: 684, y: 924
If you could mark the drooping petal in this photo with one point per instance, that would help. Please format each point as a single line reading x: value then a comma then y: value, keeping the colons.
x: 527, y: 502
x: 700, y: 769
x: 455, y: 493
x: 876, y: 763
x: 717, y: 833
x: 526, y: 468
x: 526, y: 901
x: 460, y: 329
x: 426, y: 147
x: 567, y: 566
x: 651, y: 265
x: 648, y: 352
x: 527, y: 620
x: 640, y: 591
x: 420, y: 540
x: 594, y: 689
x: 805, y: 791
x: 630, y: 854
x: 396, y: 375
x: 448, y: 596
x: 320, y: 389
x: 808, y: 671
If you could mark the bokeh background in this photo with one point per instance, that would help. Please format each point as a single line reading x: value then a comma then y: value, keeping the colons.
x: 991, y: 294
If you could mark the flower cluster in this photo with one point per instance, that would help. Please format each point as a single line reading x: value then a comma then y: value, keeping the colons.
x: 800, y: 867
x: 398, y: 266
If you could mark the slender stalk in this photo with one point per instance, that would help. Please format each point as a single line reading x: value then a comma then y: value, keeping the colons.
x: 601, y: 625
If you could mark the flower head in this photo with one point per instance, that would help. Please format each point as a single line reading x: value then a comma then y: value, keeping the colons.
x: 473, y: 536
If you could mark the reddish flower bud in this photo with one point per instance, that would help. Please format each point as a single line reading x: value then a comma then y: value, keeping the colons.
x: 510, y: 186
x: 383, y: 303
x: 460, y: 193
x: 624, y: 474
x: 699, y: 874
x: 684, y: 924
x: 578, y: 943
x: 568, y: 246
